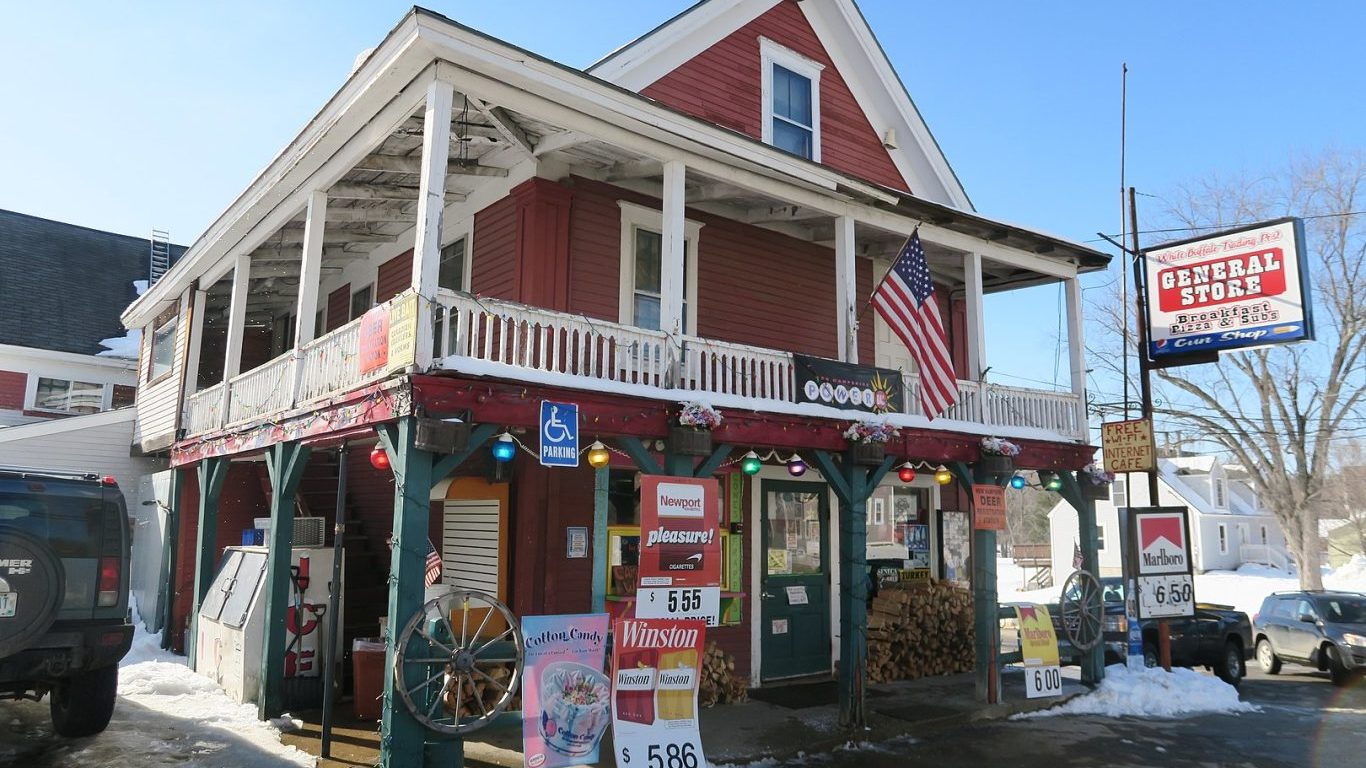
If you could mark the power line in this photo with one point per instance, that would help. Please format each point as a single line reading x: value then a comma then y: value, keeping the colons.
x: 1203, y: 228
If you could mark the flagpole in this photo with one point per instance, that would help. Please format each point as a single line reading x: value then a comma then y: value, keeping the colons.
x: 869, y: 301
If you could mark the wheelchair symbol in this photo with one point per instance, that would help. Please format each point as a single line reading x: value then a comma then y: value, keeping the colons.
x: 554, y: 430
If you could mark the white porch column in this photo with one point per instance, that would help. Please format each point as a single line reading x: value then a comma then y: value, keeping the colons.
x: 237, y: 320
x: 197, y: 298
x: 431, y: 201
x: 311, y: 268
x: 976, y: 318
x: 846, y: 289
x: 1076, y: 351
x: 671, y: 280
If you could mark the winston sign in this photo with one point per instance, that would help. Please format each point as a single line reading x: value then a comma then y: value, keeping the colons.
x: 1242, y: 288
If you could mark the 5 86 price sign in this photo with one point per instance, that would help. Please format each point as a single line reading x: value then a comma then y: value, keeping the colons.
x: 1166, y: 596
x: 684, y: 754
x: 679, y: 603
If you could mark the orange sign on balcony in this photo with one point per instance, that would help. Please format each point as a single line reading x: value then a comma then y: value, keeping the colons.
x: 388, y: 336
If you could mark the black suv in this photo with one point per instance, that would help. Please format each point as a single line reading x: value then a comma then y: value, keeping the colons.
x: 63, y: 594
x: 1323, y: 630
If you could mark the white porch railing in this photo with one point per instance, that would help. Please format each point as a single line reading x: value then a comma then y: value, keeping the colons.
x: 1264, y: 554
x: 499, y: 338
x: 204, y: 410
x: 262, y: 391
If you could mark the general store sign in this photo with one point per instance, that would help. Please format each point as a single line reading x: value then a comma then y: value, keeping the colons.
x: 1160, y: 560
x: 1242, y: 288
x: 680, y: 549
x: 1128, y: 446
x: 988, y: 507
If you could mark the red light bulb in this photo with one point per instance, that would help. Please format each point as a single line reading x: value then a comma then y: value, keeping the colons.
x: 379, y: 458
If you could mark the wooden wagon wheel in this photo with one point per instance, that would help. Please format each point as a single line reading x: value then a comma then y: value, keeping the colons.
x: 449, y: 647
x: 1082, y: 610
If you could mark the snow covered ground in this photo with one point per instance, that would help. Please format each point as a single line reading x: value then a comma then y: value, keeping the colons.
x: 166, y: 715
x: 1243, y: 589
x: 1152, y: 693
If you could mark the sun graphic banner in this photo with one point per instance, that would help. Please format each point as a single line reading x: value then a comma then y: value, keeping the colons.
x: 847, y: 386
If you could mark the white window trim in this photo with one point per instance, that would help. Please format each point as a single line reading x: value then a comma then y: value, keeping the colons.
x: 771, y: 53
x: 1223, y: 539
x: 1219, y: 492
x: 463, y: 229
x: 31, y: 393
x: 638, y: 216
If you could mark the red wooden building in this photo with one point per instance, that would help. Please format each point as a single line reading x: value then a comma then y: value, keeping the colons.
x: 671, y: 225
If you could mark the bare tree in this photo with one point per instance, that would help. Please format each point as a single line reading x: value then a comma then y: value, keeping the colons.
x: 1279, y: 410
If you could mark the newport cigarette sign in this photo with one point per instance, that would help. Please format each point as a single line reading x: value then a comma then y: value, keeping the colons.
x: 1160, y: 559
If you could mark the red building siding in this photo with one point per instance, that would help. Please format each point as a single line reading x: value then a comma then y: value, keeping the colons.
x: 493, y: 267
x: 394, y: 276
x: 338, y: 308
x: 723, y: 84
x: 755, y: 286
x: 12, y: 387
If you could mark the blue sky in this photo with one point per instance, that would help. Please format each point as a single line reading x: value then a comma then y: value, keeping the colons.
x: 123, y: 118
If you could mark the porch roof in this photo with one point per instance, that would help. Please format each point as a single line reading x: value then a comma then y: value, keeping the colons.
x: 628, y: 131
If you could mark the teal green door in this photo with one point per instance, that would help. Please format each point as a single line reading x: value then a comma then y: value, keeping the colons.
x: 794, y: 595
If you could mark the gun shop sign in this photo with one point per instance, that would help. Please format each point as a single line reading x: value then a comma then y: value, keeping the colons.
x: 1241, y: 288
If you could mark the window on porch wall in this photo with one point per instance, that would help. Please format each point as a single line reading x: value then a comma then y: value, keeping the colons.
x: 646, y: 298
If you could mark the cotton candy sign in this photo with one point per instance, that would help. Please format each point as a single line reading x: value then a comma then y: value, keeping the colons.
x: 566, y: 697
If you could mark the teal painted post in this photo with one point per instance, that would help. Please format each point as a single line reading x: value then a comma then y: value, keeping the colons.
x: 402, y: 737
x: 285, y: 462
x: 986, y: 623
x: 1093, y: 664
x: 600, y: 555
x: 168, y: 559
x: 212, y: 472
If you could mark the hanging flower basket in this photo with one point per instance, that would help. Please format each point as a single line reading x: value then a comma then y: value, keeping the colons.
x: 993, y: 464
x: 1095, y: 492
x: 867, y: 454
x: 690, y: 441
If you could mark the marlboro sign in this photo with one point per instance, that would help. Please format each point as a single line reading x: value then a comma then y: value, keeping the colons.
x: 1160, y: 560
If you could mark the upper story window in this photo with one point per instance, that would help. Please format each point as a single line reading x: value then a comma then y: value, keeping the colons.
x: 1220, y: 493
x: 1119, y: 493
x: 450, y: 273
x: 67, y: 396
x: 162, y: 357
x: 362, y: 300
x: 642, y: 256
x: 791, y: 100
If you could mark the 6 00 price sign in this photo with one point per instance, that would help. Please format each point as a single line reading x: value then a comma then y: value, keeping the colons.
x: 1042, y: 681
x: 682, y: 755
x: 1166, y: 596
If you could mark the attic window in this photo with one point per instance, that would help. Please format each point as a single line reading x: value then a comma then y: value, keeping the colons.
x: 791, y: 100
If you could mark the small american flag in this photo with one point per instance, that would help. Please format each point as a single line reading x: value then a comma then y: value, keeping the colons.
x: 433, y: 564
x: 1078, y: 560
x: 905, y: 299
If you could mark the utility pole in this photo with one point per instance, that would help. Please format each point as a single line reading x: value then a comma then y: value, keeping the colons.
x: 1164, y: 636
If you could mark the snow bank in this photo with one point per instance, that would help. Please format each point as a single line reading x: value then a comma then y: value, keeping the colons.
x: 197, y: 711
x: 1351, y: 576
x: 1153, y: 693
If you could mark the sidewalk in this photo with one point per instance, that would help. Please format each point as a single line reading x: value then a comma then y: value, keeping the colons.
x: 743, y: 733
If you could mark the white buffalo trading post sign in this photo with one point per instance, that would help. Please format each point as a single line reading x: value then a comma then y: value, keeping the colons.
x: 1241, y: 288
x: 1159, y: 537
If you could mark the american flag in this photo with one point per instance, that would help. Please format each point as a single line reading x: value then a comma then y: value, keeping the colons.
x: 1078, y: 559
x: 906, y: 300
x: 433, y: 564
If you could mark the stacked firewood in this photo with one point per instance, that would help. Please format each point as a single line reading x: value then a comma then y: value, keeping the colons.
x: 719, y: 683
x: 919, y: 631
x: 464, y: 699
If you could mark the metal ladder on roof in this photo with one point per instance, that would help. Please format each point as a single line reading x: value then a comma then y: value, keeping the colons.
x: 160, y: 259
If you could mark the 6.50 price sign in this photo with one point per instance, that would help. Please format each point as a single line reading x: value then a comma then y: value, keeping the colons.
x: 1161, y: 597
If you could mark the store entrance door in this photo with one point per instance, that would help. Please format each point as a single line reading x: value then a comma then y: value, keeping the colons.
x: 795, y: 583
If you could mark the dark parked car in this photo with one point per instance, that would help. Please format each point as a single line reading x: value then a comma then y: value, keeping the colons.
x: 1218, y: 637
x: 63, y: 594
x: 1323, y: 630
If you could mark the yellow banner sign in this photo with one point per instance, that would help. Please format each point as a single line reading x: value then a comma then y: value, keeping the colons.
x: 1038, y: 641
x: 1128, y: 446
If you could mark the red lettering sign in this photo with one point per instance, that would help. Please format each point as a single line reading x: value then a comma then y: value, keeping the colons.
x: 680, y: 536
x: 1235, y: 278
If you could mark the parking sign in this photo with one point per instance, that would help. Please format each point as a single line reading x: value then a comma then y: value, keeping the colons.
x: 559, y: 434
